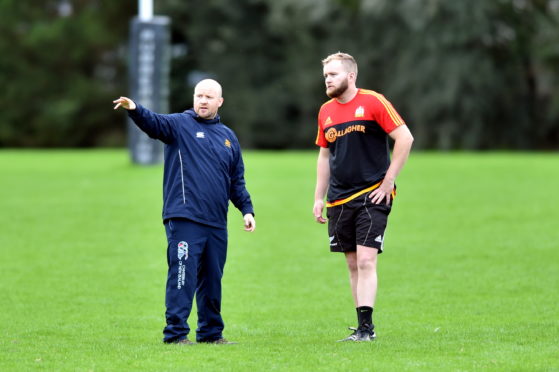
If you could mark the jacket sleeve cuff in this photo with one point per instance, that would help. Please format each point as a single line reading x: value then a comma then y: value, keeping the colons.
x: 136, y: 112
x: 248, y: 209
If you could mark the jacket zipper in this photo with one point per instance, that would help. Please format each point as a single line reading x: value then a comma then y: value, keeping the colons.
x: 182, y: 179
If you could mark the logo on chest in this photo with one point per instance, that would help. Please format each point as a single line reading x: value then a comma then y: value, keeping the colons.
x: 360, y: 112
x: 200, y: 135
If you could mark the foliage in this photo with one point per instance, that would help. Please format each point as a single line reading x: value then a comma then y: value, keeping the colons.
x: 463, y: 74
x: 60, y: 68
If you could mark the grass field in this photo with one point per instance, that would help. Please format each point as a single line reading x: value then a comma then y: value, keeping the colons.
x: 469, y: 279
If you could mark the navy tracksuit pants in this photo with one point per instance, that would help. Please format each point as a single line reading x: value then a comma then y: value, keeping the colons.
x: 196, y: 256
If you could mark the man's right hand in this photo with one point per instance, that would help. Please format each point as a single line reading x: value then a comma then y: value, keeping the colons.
x: 124, y: 102
x: 317, y: 211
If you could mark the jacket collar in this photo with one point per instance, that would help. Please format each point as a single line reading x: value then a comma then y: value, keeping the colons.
x: 195, y: 116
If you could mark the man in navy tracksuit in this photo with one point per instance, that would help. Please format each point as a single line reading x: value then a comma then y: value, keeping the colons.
x: 203, y: 171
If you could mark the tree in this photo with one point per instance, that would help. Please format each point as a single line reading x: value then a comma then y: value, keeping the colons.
x: 463, y: 74
x: 60, y: 68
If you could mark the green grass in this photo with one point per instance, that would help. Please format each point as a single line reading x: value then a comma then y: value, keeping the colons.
x: 468, y: 281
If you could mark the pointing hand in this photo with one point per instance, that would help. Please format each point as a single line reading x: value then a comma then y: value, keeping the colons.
x: 124, y: 102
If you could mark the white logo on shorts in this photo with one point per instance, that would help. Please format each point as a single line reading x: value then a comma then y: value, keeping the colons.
x: 379, y: 239
x: 331, y: 239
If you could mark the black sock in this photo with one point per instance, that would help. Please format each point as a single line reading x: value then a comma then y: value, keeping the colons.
x: 365, y: 316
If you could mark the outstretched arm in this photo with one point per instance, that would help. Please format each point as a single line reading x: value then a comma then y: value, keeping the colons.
x: 403, y: 140
x: 322, y: 179
x: 158, y: 126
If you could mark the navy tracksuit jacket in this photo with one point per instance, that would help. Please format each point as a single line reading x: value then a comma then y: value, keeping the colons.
x: 203, y: 170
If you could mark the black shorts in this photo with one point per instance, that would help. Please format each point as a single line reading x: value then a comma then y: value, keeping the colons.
x: 357, y: 222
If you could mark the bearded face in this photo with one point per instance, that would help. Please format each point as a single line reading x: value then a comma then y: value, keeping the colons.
x: 336, y: 79
x: 334, y: 91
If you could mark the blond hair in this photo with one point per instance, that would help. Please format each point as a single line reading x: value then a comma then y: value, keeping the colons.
x: 347, y: 61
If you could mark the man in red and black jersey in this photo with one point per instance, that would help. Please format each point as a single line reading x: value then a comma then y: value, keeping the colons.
x: 354, y: 166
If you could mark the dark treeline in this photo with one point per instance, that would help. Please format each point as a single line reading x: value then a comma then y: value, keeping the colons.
x: 464, y: 74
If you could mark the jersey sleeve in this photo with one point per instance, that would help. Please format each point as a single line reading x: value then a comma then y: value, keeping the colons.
x: 385, y: 114
x: 320, y: 139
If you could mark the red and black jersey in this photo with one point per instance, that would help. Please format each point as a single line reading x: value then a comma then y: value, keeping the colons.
x: 356, y: 134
